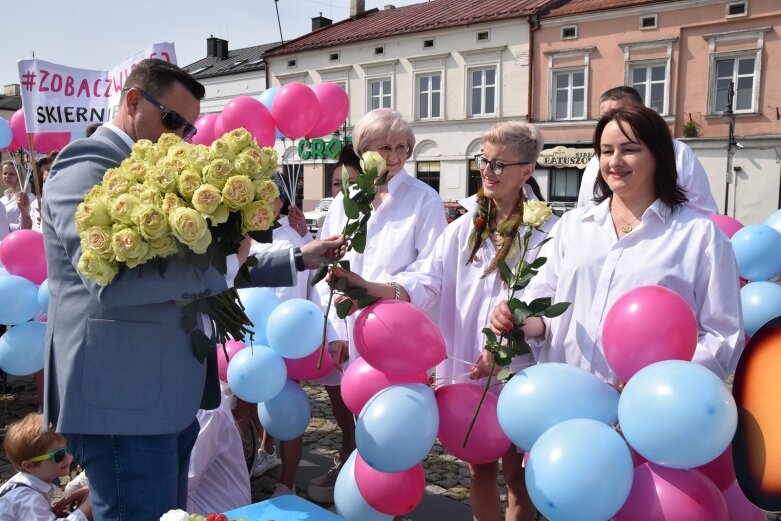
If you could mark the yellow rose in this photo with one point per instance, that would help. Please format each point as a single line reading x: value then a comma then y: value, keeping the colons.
x: 162, y: 179
x: 99, y: 270
x: 97, y: 239
x: 152, y: 223
x: 206, y: 198
x: 183, y: 152
x: 266, y: 190
x: 117, y: 181
x: 237, y: 192
x: 147, y: 195
x: 238, y: 139
x: 190, y: 228
x: 187, y: 182
x: 171, y: 202
x: 269, y: 160
x: 257, y: 216
x: 135, y: 168
x: 168, y: 140
x: 163, y: 247
x: 247, y: 165
x: 217, y: 172
x: 373, y: 162
x: 535, y: 213
x: 141, y: 149
x: 221, y: 150
x: 129, y: 247
x: 123, y: 208
x: 92, y: 213
x: 218, y: 216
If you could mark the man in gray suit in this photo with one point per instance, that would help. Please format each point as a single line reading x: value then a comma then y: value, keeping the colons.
x: 121, y: 381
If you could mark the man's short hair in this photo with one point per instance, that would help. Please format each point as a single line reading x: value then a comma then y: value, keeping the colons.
x: 26, y: 439
x: 158, y: 76
x: 622, y: 92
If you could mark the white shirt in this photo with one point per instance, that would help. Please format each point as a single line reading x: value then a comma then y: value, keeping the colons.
x: 12, y: 212
x: 31, y: 502
x: 4, y: 228
x: 401, y: 230
x: 466, y: 300
x: 218, y: 479
x: 691, y: 177
x: 285, y: 238
x: 589, y: 267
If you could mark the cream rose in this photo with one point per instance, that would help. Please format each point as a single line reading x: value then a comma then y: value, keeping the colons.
x: 257, y: 216
x: 97, y: 239
x: 123, y: 208
x: 238, y: 139
x: 129, y: 247
x: 187, y: 182
x: 237, y: 192
x: 94, y: 267
x: 206, y: 198
x: 117, y: 181
x: 162, y: 179
x: 190, y: 228
x: 217, y: 172
x: 152, y: 223
x: 535, y: 213
x: 163, y: 247
x: 266, y: 190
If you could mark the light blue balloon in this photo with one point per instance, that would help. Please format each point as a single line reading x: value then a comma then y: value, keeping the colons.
x: 3, y: 271
x: 258, y: 304
x: 287, y: 415
x: 267, y: 98
x: 761, y: 302
x: 757, y: 251
x: 43, y: 296
x: 6, y: 134
x: 774, y: 221
x: 18, y: 300
x: 677, y: 414
x: 543, y: 395
x: 77, y: 134
x: 579, y: 470
x: 295, y: 328
x: 21, y: 349
x: 348, y: 499
x: 397, y: 427
x: 256, y: 374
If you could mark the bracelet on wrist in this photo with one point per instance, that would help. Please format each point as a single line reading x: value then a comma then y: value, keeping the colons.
x: 396, y: 290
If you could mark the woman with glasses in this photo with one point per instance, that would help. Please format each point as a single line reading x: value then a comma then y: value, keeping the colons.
x: 408, y: 218
x: 461, y: 274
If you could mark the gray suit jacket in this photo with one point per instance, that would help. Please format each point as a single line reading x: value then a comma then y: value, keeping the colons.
x: 117, y: 360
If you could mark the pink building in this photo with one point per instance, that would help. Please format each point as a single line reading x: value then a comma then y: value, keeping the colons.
x: 682, y: 55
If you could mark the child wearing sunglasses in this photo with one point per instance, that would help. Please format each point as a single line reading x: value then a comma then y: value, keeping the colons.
x: 41, y: 458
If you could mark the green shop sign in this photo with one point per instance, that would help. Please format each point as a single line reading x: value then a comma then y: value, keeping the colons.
x: 320, y: 149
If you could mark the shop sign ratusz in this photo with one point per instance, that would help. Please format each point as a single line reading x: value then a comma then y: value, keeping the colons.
x: 565, y: 157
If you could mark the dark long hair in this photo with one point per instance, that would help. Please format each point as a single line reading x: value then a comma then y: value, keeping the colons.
x: 650, y: 129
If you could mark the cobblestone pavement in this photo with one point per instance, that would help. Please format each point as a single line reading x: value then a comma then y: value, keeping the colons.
x: 445, y: 475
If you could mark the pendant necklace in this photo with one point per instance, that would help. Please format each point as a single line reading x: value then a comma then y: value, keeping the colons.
x: 627, y: 225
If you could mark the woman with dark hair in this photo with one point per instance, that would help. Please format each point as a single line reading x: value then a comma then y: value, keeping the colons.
x: 639, y: 233
x: 351, y: 162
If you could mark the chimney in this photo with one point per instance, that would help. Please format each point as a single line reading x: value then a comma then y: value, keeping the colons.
x: 12, y: 89
x: 389, y: 6
x: 357, y: 8
x: 320, y: 21
x: 216, y: 48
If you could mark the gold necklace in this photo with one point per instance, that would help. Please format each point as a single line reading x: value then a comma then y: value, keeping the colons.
x: 627, y: 225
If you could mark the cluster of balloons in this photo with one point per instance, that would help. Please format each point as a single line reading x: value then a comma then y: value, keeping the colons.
x: 293, y: 110
x: 13, y: 135
x: 758, y: 253
x: 285, y: 348
x: 398, y: 412
x: 24, y: 301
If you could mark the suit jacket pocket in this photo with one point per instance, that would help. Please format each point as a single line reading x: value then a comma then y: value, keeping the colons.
x: 122, y: 364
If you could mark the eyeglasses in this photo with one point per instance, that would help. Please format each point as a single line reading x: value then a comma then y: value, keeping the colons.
x: 496, y: 167
x: 400, y: 150
x: 171, y: 119
x: 57, y: 455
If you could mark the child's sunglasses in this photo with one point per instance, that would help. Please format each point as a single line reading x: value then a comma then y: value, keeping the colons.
x: 171, y: 119
x: 57, y: 455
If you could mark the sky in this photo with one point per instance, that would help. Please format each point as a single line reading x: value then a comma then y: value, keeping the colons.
x: 92, y: 34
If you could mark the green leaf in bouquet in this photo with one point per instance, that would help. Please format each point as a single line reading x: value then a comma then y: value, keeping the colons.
x: 345, y: 176
x: 359, y: 242
x: 538, y: 263
x: 518, y: 345
x: 340, y: 285
x: 344, y: 264
x: 351, y: 227
x: 381, y: 180
x: 542, y: 242
x: 539, y: 305
x: 520, y: 311
x: 505, y: 272
x: 503, y: 355
x: 343, y: 308
x: 355, y: 293
x: 319, y: 274
x: 363, y: 182
x: 556, y: 309
x: 504, y: 374
x: 523, y: 281
x: 351, y: 209
x: 367, y: 300
x: 200, y: 344
x: 489, y: 334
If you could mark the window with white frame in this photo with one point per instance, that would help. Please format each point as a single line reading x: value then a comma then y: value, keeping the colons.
x: 429, y: 95
x: 380, y: 93
x: 741, y: 70
x: 482, y: 91
x: 650, y: 80
x: 569, y: 94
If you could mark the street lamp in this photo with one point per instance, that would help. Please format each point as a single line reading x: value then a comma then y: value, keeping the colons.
x: 729, y: 116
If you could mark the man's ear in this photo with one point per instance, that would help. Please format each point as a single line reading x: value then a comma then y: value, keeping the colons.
x: 132, y: 98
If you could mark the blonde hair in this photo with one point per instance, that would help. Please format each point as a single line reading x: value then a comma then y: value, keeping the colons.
x: 373, y: 130
x: 524, y: 137
x: 26, y: 439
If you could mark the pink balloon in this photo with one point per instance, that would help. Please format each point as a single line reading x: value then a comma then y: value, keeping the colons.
x: 46, y: 142
x: 392, y: 493
x: 295, y: 110
x: 361, y: 381
x: 19, y: 128
x: 22, y: 254
x: 739, y: 507
x: 232, y: 347
x: 646, y: 325
x: 205, y: 126
x: 219, y: 129
x: 334, y: 107
x: 728, y: 225
x: 663, y: 494
x: 251, y: 114
x: 306, y: 368
x: 456, y: 404
x: 397, y: 337
x: 721, y: 470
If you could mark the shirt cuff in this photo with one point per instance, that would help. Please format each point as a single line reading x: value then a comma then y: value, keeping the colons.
x: 293, y: 269
x: 232, y: 268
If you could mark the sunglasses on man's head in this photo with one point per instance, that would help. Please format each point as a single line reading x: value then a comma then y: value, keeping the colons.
x: 171, y: 119
x: 57, y: 455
